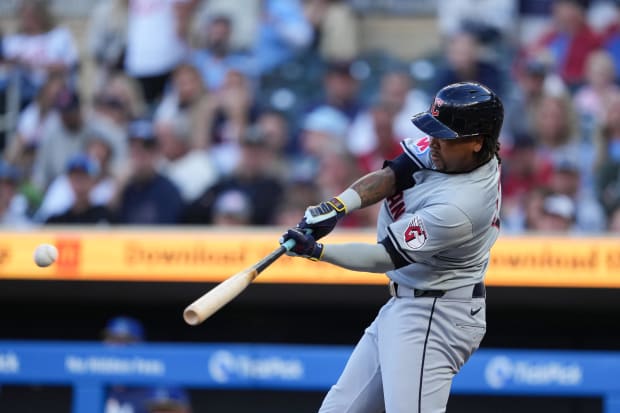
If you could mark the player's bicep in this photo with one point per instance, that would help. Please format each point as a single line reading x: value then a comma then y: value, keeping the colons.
x: 415, y: 237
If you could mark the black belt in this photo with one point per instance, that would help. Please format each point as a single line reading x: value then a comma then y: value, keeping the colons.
x: 479, y: 291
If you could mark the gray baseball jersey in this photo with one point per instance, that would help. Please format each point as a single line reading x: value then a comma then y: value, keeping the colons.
x: 443, y: 228
x: 445, y: 225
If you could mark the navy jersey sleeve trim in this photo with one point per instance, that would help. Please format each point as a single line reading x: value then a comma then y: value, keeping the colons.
x: 397, y: 259
x: 403, y: 167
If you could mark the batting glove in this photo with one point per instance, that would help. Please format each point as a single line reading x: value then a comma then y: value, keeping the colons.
x: 322, y: 218
x: 305, y: 245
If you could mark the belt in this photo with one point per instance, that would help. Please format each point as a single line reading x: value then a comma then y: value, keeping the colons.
x: 469, y: 291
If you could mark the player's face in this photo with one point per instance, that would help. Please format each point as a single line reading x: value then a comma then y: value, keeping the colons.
x: 455, y: 155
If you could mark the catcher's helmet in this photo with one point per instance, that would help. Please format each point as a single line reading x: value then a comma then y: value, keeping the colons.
x: 462, y: 110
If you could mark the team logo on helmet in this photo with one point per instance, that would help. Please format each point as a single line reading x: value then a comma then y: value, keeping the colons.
x: 436, y: 105
x: 415, y: 234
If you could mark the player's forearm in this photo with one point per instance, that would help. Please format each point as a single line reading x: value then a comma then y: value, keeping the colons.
x: 375, y: 186
x: 358, y: 257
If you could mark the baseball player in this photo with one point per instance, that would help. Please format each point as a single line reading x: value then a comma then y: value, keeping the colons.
x: 438, y: 222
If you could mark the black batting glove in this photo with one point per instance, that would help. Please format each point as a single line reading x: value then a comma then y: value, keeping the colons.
x: 305, y: 244
x: 322, y: 218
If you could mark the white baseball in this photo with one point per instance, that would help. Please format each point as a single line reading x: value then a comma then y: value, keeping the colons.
x: 45, y: 255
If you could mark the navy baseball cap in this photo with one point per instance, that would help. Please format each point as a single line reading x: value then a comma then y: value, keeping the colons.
x: 124, y: 328
x: 83, y: 163
x: 142, y: 130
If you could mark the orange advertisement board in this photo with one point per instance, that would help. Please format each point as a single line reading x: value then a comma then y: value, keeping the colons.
x: 211, y: 256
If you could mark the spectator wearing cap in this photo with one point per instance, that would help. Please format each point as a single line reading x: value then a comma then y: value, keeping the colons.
x: 232, y: 208
x: 82, y: 172
x: 124, y: 330
x: 168, y: 400
x: 254, y: 176
x: 566, y: 180
x: 60, y: 195
x: 191, y: 170
x: 146, y: 196
x: 63, y: 139
x: 323, y: 130
x: 13, y: 205
x: 558, y: 214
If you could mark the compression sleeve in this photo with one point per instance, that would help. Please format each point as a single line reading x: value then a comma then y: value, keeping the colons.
x: 359, y: 257
x: 403, y: 167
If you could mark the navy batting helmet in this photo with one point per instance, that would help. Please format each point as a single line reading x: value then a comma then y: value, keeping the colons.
x: 462, y: 110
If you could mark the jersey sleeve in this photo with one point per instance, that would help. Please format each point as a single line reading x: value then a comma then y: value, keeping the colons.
x: 418, y: 150
x: 415, y: 237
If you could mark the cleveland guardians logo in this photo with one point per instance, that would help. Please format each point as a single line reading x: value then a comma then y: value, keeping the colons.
x: 415, y: 234
x: 436, y: 105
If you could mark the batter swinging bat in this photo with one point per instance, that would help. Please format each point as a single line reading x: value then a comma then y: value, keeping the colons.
x: 216, y: 298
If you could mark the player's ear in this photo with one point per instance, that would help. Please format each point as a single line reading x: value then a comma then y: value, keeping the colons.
x: 478, y: 143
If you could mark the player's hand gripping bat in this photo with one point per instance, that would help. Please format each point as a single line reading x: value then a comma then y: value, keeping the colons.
x: 206, y: 305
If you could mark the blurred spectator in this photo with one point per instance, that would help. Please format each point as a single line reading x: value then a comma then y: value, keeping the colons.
x: 65, y: 137
x: 214, y: 58
x: 82, y: 173
x: 592, y: 99
x: 557, y: 215
x: 156, y: 42
x: 523, y: 101
x: 60, y: 195
x: 386, y: 143
x: 283, y: 31
x: 168, y: 400
x: 396, y: 91
x: 253, y: 176
x: 464, y: 62
x: 528, y: 217
x: 566, y: 179
x: 340, y: 90
x: 232, y: 208
x: 336, y: 31
x: 231, y: 110
x: 146, y: 196
x: 123, y: 331
x: 496, y: 19
x: 191, y: 170
x: 557, y: 134
x: 33, y: 121
x: 275, y: 126
x: 40, y: 47
x: 107, y: 37
x: 607, y: 163
x: 13, y: 205
x: 126, y: 90
x: 523, y: 170
x: 299, y: 192
x: 337, y: 169
x: 187, y: 97
x: 323, y: 130
x: 244, y: 16
x: 569, y: 42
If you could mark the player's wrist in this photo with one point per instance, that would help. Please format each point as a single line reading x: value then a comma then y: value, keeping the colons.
x: 317, y: 252
x: 346, y: 202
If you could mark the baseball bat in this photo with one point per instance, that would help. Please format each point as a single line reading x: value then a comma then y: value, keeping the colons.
x: 216, y: 298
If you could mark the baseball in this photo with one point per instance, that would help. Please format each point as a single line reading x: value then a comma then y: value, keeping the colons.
x: 45, y: 255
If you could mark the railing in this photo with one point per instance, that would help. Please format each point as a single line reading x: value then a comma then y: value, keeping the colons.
x: 90, y: 367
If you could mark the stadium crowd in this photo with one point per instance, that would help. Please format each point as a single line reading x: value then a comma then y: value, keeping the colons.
x: 244, y: 112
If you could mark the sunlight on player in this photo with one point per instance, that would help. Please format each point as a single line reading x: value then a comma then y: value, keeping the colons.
x: 438, y: 222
